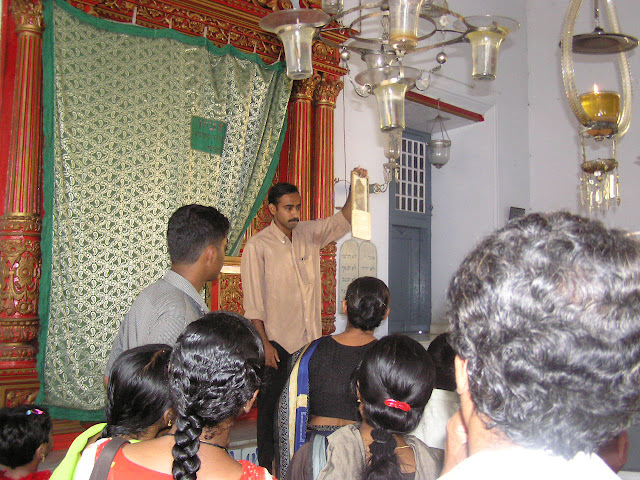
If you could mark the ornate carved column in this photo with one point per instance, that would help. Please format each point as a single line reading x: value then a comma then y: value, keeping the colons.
x: 20, y: 225
x: 299, y: 127
x: 325, y: 97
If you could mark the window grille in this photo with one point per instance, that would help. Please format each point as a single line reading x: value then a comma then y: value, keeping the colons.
x: 411, y: 188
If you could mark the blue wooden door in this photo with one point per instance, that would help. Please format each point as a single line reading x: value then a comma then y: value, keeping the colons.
x: 410, y: 239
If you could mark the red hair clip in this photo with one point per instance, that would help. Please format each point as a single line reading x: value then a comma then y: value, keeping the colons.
x: 390, y: 402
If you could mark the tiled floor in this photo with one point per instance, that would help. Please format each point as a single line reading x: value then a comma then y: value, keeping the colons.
x: 243, y: 445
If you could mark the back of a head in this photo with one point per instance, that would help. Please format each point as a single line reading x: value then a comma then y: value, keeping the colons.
x: 22, y: 430
x: 279, y: 190
x: 191, y: 229
x: 367, y: 302
x: 138, y: 390
x: 216, y: 366
x: 395, y: 381
x: 546, y: 311
x: 443, y: 357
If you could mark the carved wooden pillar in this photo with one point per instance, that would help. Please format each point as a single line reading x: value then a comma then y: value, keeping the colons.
x: 20, y: 225
x: 325, y: 97
x: 300, y: 126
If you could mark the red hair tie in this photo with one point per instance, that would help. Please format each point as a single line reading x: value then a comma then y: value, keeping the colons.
x: 390, y: 402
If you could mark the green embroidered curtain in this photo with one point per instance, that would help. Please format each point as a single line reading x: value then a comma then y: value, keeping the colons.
x: 123, y: 107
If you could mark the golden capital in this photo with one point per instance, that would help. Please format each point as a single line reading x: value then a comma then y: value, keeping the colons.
x: 303, y: 89
x: 325, y: 54
x: 327, y: 92
x: 27, y: 15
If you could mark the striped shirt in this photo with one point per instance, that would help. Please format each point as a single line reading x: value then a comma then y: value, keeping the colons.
x: 158, y: 315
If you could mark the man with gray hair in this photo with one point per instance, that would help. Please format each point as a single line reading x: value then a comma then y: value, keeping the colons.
x: 545, y: 322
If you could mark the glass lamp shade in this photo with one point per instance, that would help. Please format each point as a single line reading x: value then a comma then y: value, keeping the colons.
x: 297, y: 51
x: 439, y: 151
x: 332, y: 7
x: 485, y: 40
x: 403, y: 24
x: 389, y: 85
x: 295, y: 29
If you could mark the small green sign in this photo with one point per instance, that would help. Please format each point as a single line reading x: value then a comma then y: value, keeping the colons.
x: 207, y: 135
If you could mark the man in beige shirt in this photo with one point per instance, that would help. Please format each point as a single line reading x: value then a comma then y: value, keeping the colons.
x: 282, y: 292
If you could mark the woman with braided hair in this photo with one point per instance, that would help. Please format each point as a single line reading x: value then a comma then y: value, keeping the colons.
x: 393, y: 384
x: 214, y: 376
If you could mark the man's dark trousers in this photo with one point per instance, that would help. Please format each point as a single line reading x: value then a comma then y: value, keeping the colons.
x: 274, y: 381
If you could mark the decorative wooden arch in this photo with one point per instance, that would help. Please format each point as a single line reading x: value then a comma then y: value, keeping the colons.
x: 307, y: 154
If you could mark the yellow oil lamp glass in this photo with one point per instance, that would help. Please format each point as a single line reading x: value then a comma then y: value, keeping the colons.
x: 403, y: 19
x: 486, y: 38
x: 603, y: 108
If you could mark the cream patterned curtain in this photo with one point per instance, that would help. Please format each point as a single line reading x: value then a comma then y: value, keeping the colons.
x: 124, y: 106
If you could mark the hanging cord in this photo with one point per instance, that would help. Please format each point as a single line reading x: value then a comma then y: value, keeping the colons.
x: 439, y: 119
x: 338, y: 180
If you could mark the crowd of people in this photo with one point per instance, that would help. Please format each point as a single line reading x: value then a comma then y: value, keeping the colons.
x: 537, y: 377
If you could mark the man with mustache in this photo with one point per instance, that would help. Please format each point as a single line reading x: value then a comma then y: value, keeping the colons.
x: 282, y: 293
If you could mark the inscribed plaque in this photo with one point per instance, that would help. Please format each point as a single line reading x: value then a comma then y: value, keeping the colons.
x: 207, y: 135
x: 356, y: 260
x: 348, y: 267
x: 368, y: 260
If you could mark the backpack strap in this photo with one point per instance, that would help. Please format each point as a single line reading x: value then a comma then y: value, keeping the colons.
x: 301, y: 404
x: 104, y: 461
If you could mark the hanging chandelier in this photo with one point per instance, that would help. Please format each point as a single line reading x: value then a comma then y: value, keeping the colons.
x: 383, y: 33
x: 603, y: 116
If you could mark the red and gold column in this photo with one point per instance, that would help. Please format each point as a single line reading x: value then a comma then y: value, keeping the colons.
x: 300, y: 127
x: 326, y: 95
x: 20, y: 225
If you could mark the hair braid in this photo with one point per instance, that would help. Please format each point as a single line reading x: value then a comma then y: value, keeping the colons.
x: 383, y: 464
x: 185, y: 451
x: 215, y: 370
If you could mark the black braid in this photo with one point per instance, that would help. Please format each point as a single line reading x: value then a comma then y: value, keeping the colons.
x: 215, y: 370
x: 186, y: 462
x: 383, y: 464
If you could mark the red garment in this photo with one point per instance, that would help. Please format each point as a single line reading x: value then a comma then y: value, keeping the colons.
x: 44, y: 475
x: 124, y: 469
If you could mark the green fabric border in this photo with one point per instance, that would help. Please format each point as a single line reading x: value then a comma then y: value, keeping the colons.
x: 138, y: 31
x: 265, y: 186
x: 48, y: 154
x: 47, y: 188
